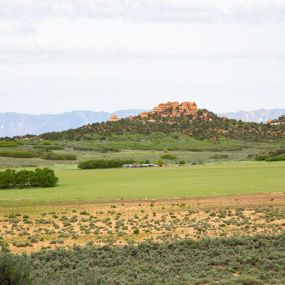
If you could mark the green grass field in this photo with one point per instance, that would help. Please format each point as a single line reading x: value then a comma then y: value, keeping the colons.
x: 172, y: 182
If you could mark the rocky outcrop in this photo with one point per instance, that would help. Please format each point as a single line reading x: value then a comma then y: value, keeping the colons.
x: 172, y: 110
x: 114, y: 118
x: 279, y: 121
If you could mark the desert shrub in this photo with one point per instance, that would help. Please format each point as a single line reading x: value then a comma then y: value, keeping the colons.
x: 104, y: 163
x: 18, y: 153
x: 277, y: 155
x: 49, y: 147
x: 58, y: 156
x: 249, y: 281
x: 219, y: 156
x: 260, y: 259
x: 11, y: 178
x: 97, y: 149
x: 14, y: 270
x: 168, y: 156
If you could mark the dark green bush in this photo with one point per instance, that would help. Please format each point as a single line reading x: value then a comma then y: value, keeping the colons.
x: 276, y: 158
x: 18, y: 154
x: 168, y: 156
x: 219, y: 156
x: 14, y: 270
x: 49, y: 147
x: 58, y: 156
x: 104, y: 163
x: 11, y: 178
x: 277, y: 155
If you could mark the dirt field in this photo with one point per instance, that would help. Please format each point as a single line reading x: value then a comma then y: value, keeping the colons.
x: 31, y: 229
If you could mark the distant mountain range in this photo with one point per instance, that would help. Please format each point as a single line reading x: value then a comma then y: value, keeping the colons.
x: 15, y: 124
x: 257, y: 116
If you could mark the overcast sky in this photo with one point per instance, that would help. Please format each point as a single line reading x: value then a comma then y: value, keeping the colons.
x: 63, y: 55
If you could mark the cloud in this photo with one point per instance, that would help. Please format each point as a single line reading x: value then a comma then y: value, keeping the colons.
x: 148, y: 10
x: 34, y: 31
x: 80, y: 38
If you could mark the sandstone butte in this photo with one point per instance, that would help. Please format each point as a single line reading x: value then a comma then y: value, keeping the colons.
x: 172, y: 109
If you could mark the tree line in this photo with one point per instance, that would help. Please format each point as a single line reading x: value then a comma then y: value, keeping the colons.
x: 11, y: 178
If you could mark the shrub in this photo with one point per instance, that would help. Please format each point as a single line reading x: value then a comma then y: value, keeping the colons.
x: 8, y: 144
x: 49, y: 147
x: 14, y: 270
x: 159, y: 162
x: 104, y: 163
x: 219, y: 156
x: 59, y: 156
x: 276, y: 158
x: 168, y: 156
x: 18, y: 154
x: 24, y: 178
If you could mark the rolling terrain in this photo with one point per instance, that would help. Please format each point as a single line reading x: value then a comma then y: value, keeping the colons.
x: 217, y: 201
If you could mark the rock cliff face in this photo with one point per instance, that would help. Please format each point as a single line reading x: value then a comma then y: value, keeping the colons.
x: 172, y: 110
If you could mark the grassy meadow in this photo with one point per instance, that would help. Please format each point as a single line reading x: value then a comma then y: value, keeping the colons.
x: 82, y: 186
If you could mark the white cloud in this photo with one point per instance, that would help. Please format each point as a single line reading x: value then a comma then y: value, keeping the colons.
x: 159, y: 49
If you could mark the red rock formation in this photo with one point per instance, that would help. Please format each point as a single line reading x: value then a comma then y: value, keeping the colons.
x: 144, y: 115
x: 114, y: 118
x: 172, y: 109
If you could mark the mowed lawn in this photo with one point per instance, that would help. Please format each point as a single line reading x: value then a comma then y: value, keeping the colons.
x: 173, y: 182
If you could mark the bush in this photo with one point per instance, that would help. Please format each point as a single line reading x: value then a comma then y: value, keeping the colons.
x: 260, y: 157
x: 18, y: 154
x: 24, y: 178
x: 168, y: 156
x: 277, y: 155
x: 104, y: 163
x: 49, y: 147
x: 219, y: 156
x: 59, y: 156
x: 8, y: 144
x: 14, y: 270
x: 159, y: 162
x: 276, y: 158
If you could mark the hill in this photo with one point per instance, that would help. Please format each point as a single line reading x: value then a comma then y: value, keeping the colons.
x: 16, y: 124
x: 171, y: 117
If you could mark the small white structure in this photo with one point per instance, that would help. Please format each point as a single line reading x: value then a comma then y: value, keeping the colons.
x: 135, y: 165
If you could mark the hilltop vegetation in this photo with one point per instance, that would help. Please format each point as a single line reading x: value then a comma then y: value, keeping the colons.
x: 201, y: 125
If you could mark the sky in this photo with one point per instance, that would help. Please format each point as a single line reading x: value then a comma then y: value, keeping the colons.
x: 64, y: 55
